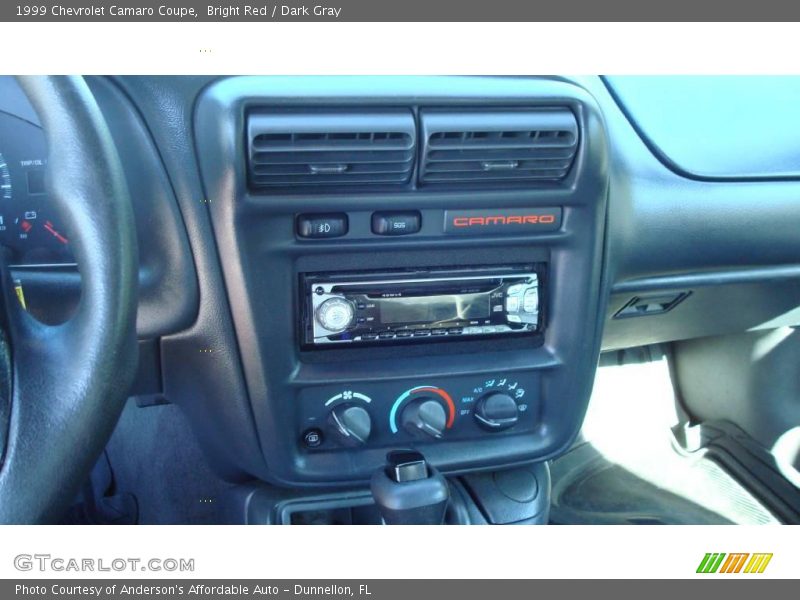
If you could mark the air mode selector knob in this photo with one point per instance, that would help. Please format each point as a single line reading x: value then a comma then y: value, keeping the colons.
x: 350, y: 424
x: 496, y: 411
x: 335, y: 314
x: 424, y: 417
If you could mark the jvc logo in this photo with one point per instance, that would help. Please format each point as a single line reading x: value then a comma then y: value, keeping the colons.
x: 719, y: 562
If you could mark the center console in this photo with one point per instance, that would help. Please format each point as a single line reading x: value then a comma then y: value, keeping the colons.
x: 412, y: 262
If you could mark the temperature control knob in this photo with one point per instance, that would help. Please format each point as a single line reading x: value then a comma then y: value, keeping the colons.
x: 335, y: 314
x: 496, y: 411
x: 350, y: 423
x: 424, y: 417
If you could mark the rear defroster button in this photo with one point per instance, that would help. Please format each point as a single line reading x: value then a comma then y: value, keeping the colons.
x: 312, y: 438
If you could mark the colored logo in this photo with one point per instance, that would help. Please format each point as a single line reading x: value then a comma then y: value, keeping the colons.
x: 503, y: 220
x: 741, y: 562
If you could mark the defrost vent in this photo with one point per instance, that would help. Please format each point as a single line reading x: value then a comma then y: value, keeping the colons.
x: 476, y: 146
x: 336, y: 148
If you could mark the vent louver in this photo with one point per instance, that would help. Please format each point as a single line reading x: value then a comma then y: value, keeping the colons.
x: 290, y: 149
x: 491, y: 146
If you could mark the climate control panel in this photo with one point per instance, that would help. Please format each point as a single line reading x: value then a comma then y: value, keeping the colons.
x: 374, y: 414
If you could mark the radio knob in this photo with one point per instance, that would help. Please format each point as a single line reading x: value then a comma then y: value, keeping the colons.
x: 335, y: 314
x: 424, y: 417
x: 496, y: 411
x: 350, y: 423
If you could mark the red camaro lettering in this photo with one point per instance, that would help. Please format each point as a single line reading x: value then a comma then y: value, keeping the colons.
x: 503, y: 220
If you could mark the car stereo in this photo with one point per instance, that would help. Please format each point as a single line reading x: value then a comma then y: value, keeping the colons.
x: 420, y: 305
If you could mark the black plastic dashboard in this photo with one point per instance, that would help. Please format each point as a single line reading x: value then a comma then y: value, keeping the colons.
x: 643, y: 253
x: 716, y: 128
x: 291, y: 389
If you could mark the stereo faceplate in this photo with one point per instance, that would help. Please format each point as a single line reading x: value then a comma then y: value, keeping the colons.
x: 424, y: 305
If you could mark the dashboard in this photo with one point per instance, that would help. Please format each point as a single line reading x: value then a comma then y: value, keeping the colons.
x: 331, y: 267
x: 466, y: 389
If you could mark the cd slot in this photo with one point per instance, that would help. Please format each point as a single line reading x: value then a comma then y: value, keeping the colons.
x: 420, y: 288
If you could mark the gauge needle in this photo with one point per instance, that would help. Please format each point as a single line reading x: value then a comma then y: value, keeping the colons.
x: 49, y: 226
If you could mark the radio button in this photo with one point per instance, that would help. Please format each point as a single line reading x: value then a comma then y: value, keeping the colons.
x: 335, y: 314
x: 530, y: 303
x: 386, y: 335
x: 514, y: 319
x: 438, y: 331
x: 369, y: 336
x: 513, y: 290
x: 512, y: 304
x: 421, y: 332
x: 454, y: 331
x: 404, y: 333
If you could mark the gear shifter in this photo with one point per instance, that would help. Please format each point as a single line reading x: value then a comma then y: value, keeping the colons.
x: 409, y: 491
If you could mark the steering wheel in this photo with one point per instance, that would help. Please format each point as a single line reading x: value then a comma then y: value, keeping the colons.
x: 62, y: 387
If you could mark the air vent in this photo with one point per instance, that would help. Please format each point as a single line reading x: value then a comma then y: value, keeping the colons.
x: 491, y: 146
x: 290, y: 149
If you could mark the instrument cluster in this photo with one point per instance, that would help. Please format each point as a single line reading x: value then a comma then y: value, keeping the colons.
x: 28, y: 225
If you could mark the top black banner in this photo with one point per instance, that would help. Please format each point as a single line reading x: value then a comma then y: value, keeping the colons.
x: 400, y: 11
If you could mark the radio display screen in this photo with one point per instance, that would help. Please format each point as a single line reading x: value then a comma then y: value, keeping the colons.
x: 432, y: 309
